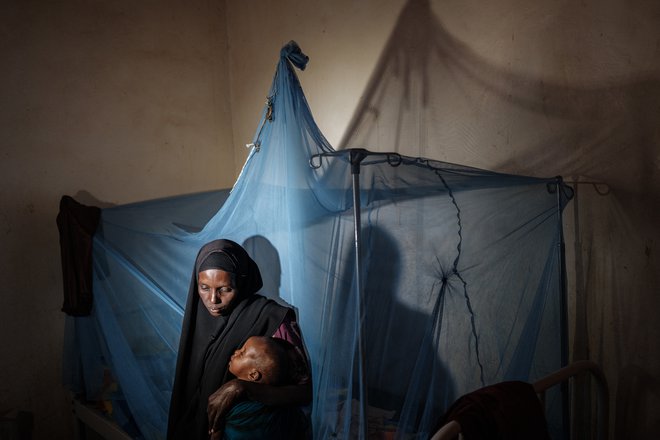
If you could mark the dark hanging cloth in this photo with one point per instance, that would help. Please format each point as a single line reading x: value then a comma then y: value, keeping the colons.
x: 507, y: 410
x: 208, y: 342
x: 76, y: 224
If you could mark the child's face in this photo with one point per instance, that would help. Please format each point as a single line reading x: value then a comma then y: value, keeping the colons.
x: 242, y: 362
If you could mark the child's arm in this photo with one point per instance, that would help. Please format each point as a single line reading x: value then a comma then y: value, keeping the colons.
x: 236, y: 390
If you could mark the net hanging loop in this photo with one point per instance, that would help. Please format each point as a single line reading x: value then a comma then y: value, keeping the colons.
x: 393, y: 159
x: 267, y: 117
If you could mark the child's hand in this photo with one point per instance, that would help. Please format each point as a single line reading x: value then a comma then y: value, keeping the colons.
x: 216, y: 435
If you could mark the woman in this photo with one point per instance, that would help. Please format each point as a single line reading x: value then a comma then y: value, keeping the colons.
x: 222, y: 312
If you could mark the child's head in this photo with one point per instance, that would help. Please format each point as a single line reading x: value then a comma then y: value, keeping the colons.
x: 261, y: 359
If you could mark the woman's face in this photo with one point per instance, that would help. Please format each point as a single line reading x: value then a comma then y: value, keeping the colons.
x: 217, y: 291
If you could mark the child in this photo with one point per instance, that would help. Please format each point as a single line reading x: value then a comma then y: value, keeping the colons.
x: 270, y: 361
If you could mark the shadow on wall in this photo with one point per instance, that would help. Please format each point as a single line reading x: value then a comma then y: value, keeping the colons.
x: 268, y: 259
x: 404, y: 366
x: 432, y: 95
x: 430, y: 88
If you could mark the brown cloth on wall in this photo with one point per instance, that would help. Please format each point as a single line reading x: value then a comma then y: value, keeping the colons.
x: 77, y: 223
x: 507, y: 410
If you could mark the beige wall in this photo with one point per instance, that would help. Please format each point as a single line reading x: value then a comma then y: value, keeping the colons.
x: 130, y: 101
x: 123, y: 100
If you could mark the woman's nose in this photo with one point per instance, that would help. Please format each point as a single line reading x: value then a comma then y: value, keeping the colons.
x: 215, y: 298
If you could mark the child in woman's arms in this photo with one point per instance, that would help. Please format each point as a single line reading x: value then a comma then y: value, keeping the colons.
x: 268, y: 361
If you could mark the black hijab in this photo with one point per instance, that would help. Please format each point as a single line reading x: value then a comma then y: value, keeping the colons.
x: 208, y: 342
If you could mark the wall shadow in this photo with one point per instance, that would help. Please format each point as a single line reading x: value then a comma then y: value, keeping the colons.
x: 609, y: 128
x: 404, y: 367
x: 431, y: 92
x: 267, y: 258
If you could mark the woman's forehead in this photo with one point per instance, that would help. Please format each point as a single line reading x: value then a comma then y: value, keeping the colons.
x: 215, y: 276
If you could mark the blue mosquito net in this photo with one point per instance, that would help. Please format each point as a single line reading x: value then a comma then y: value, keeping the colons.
x: 415, y: 281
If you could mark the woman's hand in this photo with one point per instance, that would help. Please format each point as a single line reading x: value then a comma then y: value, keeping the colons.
x: 221, y: 402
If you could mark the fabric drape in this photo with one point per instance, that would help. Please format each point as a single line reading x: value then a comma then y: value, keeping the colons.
x: 76, y: 224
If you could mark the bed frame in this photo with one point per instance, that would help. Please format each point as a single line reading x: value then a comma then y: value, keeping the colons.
x: 91, y: 424
x: 452, y: 430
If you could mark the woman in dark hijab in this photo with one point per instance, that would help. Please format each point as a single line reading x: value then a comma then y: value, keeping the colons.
x: 222, y: 312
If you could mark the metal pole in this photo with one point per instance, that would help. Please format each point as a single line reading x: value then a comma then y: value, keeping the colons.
x: 356, y: 156
x: 563, y: 312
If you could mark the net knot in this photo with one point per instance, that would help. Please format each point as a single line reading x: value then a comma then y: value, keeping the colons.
x: 293, y: 53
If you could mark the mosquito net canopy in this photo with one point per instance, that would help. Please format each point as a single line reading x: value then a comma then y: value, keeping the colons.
x: 415, y: 281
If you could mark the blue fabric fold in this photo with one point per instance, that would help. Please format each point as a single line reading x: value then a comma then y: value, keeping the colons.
x: 293, y: 53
